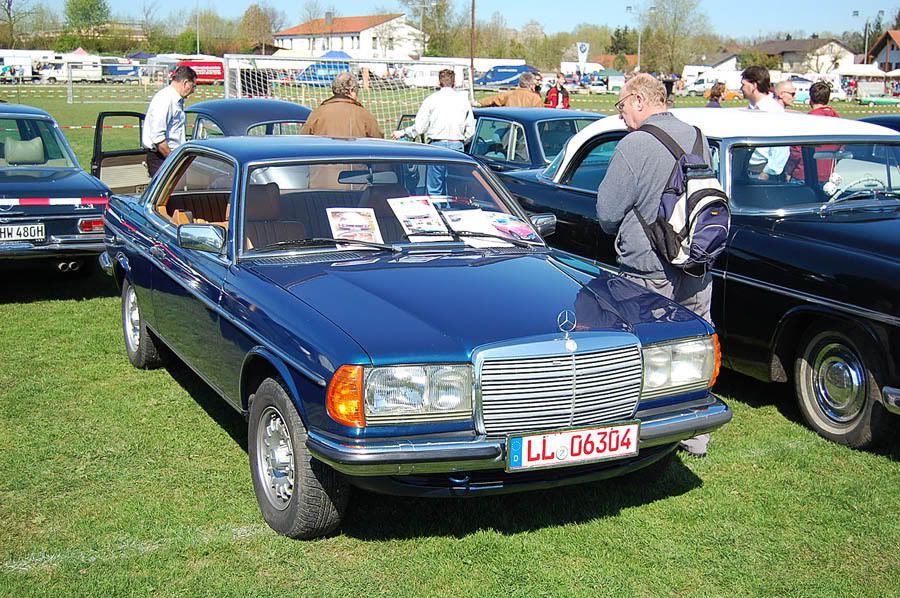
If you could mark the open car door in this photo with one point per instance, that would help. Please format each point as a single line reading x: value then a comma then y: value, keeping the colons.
x: 119, y: 159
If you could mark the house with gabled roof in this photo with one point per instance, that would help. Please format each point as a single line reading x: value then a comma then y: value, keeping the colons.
x: 386, y: 36
x: 811, y: 55
x: 886, y: 51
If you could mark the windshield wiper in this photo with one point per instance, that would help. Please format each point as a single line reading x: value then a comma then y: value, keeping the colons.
x: 863, y: 194
x: 318, y: 241
x: 516, y: 242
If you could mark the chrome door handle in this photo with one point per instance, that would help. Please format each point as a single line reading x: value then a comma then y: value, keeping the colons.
x: 157, y: 251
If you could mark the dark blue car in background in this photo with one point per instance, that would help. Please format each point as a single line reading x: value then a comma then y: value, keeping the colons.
x: 380, y: 337
x: 50, y: 209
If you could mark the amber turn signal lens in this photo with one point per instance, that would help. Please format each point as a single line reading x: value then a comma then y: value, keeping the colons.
x: 345, y: 396
x: 718, y: 350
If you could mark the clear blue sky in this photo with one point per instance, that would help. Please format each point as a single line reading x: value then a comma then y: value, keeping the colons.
x: 734, y: 18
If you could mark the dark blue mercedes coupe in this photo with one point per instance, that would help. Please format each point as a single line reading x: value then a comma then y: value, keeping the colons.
x: 379, y: 336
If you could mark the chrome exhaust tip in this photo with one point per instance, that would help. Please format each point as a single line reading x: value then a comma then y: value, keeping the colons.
x: 63, y: 266
x: 74, y: 266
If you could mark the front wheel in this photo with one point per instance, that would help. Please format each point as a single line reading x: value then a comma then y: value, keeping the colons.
x: 139, y: 342
x: 299, y: 496
x: 838, y: 383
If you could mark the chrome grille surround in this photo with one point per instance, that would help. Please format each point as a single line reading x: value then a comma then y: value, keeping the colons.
x: 539, y: 385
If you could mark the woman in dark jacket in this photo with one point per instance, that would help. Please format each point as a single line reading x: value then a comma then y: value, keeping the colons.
x: 715, y: 95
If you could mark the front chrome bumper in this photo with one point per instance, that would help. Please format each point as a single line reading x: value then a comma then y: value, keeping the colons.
x: 663, y: 425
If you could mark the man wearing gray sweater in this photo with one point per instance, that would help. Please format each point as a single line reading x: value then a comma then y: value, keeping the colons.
x: 638, y: 172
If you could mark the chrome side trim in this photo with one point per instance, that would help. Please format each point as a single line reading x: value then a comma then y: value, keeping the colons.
x: 890, y: 397
x: 837, y: 305
x: 319, y: 380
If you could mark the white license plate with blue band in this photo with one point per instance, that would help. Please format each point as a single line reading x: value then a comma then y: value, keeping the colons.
x: 561, y: 448
x: 22, y: 232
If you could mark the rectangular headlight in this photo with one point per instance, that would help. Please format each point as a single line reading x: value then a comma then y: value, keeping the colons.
x: 409, y: 394
x: 680, y: 366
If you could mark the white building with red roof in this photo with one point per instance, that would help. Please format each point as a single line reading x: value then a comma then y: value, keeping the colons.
x: 386, y: 36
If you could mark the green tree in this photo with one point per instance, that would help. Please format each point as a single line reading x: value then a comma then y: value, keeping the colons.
x: 256, y: 26
x: 622, y: 41
x: 620, y: 63
x: 86, y: 14
x: 751, y: 57
x: 674, y: 24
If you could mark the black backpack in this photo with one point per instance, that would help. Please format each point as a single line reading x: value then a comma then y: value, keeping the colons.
x: 691, y: 227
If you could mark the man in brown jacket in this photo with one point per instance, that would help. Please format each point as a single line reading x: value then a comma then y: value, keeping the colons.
x: 524, y: 97
x: 342, y: 115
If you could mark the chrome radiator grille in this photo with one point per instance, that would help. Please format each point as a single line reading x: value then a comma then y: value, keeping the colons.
x: 559, y: 391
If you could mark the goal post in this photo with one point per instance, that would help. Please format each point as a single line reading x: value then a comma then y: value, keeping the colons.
x: 389, y: 89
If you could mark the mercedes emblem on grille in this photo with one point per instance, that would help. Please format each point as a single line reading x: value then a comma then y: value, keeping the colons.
x: 567, y: 321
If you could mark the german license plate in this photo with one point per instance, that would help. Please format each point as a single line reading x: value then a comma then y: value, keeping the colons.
x: 22, y: 232
x: 571, y: 447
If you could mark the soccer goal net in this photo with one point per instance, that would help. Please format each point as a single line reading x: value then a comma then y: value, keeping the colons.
x: 388, y: 89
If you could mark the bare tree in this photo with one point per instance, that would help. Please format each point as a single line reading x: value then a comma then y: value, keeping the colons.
x: 14, y: 12
x: 277, y: 18
x: 147, y: 17
x: 312, y: 10
x: 674, y: 24
x: 255, y: 26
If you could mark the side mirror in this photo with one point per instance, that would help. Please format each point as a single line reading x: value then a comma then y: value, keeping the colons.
x: 544, y: 223
x: 202, y: 237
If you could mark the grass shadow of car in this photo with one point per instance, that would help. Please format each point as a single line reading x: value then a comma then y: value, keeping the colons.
x: 209, y: 400
x: 43, y: 282
x: 756, y: 394
x: 382, y: 517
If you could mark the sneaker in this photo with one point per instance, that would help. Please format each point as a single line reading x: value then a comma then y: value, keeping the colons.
x: 695, y: 446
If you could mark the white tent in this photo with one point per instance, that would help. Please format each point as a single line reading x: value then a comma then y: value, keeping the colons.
x: 894, y: 74
x: 860, y: 70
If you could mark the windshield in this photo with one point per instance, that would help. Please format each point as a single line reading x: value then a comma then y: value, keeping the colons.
x: 30, y: 142
x: 808, y: 175
x: 555, y: 133
x: 377, y: 204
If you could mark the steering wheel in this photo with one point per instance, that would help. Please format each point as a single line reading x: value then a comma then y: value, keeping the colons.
x: 878, y: 184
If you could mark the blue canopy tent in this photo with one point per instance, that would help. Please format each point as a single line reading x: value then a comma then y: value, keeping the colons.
x: 140, y: 56
x: 337, y: 55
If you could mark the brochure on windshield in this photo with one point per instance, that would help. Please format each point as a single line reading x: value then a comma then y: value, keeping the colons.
x: 358, y: 224
x: 419, y: 216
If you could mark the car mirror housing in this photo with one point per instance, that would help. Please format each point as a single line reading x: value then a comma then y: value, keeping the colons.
x: 544, y: 223
x: 202, y: 237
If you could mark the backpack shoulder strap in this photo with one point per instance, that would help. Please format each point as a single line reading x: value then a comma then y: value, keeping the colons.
x: 665, y: 139
x: 698, y: 143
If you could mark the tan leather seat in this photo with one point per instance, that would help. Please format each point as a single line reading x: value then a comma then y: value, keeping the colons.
x: 263, y: 224
x: 375, y: 197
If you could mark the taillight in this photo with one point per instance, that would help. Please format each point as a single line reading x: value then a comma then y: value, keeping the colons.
x: 90, y: 225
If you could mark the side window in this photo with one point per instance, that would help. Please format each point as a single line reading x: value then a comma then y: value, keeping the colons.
x: 205, y: 128
x: 520, y: 144
x: 198, y: 190
x: 285, y: 128
x: 589, y: 172
x: 778, y: 177
x: 492, y: 139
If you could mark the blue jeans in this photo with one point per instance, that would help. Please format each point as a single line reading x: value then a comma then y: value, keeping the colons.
x: 436, y: 175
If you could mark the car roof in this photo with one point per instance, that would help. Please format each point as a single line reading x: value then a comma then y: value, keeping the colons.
x: 236, y: 115
x: 21, y: 109
x: 534, y: 114
x: 722, y: 123
x: 289, y: 147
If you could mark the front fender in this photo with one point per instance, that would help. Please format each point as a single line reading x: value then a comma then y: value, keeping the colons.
x: 253, y: 372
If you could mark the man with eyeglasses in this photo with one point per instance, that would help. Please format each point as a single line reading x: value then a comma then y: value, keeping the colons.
x: 638, y: 171
x: 164, y: 122
x: 785, y: 93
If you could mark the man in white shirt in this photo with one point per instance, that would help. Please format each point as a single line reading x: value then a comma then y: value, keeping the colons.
x: 165, y: 120
x: 446, y: 119
x: 765, y: 162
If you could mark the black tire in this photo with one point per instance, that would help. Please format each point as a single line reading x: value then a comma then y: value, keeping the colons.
x: 305, y: 498
x: 140, y: 345
x: 838, y: 381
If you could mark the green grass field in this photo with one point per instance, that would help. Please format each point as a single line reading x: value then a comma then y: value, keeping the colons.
x: 115, y: 481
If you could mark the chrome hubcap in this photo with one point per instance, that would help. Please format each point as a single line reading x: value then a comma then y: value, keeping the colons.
x: 275, y: 458
x: 132, y: 320
x: 839, y: 382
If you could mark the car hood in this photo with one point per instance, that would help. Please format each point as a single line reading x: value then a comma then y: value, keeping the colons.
x: 49, y: 182
x: 408, y: 306
x: 869, y: 229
